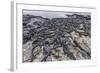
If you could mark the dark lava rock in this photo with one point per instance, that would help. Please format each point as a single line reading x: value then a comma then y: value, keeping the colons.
x: 56, y: 39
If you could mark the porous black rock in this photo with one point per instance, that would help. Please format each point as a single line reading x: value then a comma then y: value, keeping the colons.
x: 71, y: 34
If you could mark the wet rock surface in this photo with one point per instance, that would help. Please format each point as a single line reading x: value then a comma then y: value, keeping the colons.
x: 56, y: 39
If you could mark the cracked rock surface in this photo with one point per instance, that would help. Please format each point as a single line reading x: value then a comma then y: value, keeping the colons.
x: 56, y: 39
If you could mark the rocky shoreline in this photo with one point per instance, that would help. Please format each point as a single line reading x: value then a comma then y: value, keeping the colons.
x: 56, y: 39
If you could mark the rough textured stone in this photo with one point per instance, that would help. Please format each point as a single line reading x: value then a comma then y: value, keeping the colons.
x: 57, y: 38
